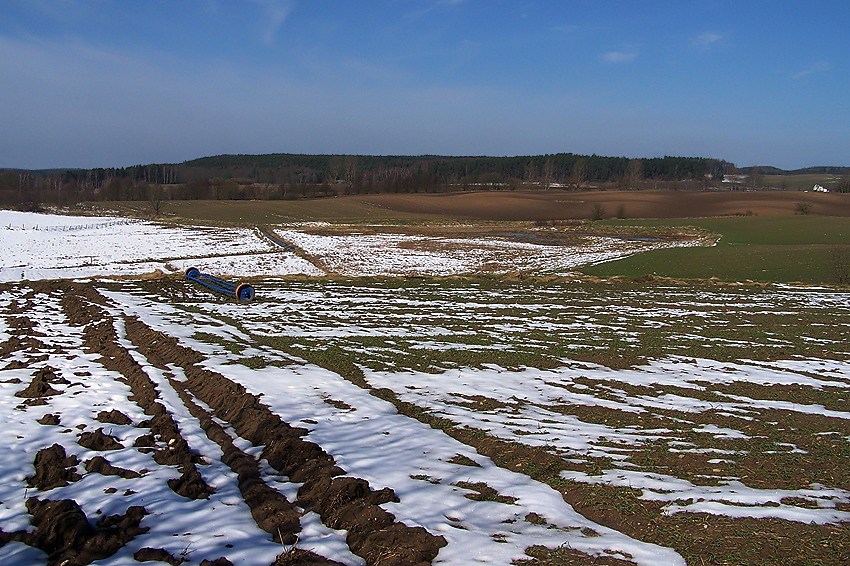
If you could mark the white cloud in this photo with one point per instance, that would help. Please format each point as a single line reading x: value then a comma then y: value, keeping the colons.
x: 626, y: 56
x: 706, y: 39
x: 275, y: 13
x: 819, y: 67
x: 564, y: 28
x: 436, y: 5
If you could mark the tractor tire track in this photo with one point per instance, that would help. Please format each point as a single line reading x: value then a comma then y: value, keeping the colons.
x: 317, y: 262
x: 342, y: 502
x: 85, y: 307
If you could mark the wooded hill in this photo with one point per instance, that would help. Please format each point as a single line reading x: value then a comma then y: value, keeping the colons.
x: 292, y: 176
x: 285, y: 176
x: 441, y: 170
x: 822, y: 170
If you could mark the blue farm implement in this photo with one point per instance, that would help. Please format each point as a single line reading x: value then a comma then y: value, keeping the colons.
x: 242, y: 291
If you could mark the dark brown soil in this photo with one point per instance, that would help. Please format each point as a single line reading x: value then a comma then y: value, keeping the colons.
x: 23, y: 340
x: 49, y: 419
x: 63, y: 531
x: 157, y: 555
x: 114, y: 417
x: 41, y: 384
x: 83, y: 306
x: 342, y: 502
x: 560, y: 205
x: 100, y: 465
x: 53, y: 468
x: 99, y: 440
x: 270, y: 509
x: 17, y: 344
x: 298, y: 557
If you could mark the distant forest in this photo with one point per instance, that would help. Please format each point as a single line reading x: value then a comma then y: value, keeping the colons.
x: 289, y: 176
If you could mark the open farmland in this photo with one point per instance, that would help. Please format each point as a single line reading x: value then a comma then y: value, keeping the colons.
x: 474, y: 413
x: 501, y: 206
x: 799, y: 248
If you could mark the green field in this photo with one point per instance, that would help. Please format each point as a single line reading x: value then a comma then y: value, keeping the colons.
x: 786, y: 249
x: 802, y: 182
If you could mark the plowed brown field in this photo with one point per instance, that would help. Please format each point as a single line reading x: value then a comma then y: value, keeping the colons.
x: 505, y: 206
x: 555, y: 205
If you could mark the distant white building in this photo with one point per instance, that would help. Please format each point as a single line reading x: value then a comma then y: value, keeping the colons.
x: 820, y: 189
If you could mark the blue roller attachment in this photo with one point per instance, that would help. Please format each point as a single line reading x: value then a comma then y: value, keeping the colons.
x: 242, y: 291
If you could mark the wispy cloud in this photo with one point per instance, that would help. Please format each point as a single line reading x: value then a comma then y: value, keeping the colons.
x: 275, y: 13
x: 622, y: 56
x: 819, y: 67
x: 706, y: 40
x: 433, y: 5
x: 564, y: 28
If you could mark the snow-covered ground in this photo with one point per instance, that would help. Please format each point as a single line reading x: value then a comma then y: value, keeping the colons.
x: 530, y: 419
x: 716, y: 413
x: 429, y: 471
x: 42, y: 246
x: 399, y: 254
x: 525, y: 398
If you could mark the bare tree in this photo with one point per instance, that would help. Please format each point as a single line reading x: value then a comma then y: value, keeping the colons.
x: 155, y: 200
x: 335, y: 167
x: 548, y: 171
x: 350, y: 172
x: 634, y: 173
x: 579, y: 173
x: 621, y: 211
x: 530, y: 172
x: 755, y: 180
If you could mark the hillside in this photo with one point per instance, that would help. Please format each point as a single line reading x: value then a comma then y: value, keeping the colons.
x: 819, y: 170
x: 293, y: 177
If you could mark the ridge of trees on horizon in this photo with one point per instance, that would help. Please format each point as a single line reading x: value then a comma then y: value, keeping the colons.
x: 292, y: 176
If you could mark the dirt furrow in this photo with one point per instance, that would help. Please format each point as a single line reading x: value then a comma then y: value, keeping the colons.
x: 84, y: 306
x: 66, y: 535
x: 23, y: 338
x: 270, y: 509
x: 342, y: 502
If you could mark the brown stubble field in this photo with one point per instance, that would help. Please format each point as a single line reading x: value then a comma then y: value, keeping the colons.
x: 526, y: 206
x: 554, y: 205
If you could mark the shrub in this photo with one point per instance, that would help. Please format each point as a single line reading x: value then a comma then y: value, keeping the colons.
x: 840, y: 264
x: 598, y: 212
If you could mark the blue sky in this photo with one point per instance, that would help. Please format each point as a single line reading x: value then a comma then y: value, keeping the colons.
x: 119, y: 82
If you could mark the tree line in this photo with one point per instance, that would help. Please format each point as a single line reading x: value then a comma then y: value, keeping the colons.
x: 290, y: 176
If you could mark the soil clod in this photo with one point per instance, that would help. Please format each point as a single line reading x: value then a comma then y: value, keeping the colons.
x: 99, y: 440
x: 100, y: 465
x: 49, y: 419
x: 148, y: 554
x: 114, y: 417
x: 63, y: 531
x: 53, y: 468
x: 41, y: 384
